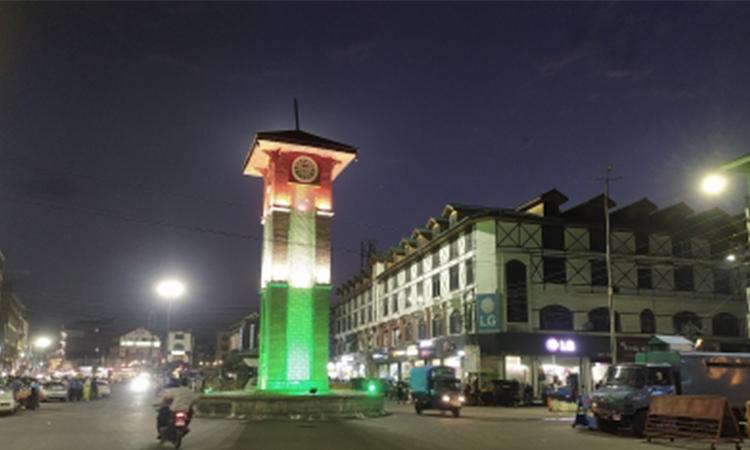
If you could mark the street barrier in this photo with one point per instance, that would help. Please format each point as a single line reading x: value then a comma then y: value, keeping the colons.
x: 695, y: 417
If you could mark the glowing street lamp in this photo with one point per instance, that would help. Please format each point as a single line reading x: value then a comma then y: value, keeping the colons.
x: 42, y: 342
x: 170, y: 289
x: 714, y: 184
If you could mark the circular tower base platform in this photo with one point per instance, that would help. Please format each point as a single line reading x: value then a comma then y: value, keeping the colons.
x: 255, y: 405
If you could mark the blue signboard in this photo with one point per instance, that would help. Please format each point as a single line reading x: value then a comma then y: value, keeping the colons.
x: 488, y: 313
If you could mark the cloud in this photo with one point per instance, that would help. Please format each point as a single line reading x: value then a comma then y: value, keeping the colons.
x: 628, y: 73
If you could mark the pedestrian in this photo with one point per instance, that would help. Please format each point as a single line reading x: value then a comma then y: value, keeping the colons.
x: 32, y: 402
x: 94, y: 389
x: 87, y: 390
x: 400, y: 393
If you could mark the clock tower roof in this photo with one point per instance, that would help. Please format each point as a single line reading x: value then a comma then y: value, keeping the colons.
x: 296, y: 141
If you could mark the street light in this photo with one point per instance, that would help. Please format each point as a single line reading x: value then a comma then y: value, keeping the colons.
x: 714, y: 184
x: 42, y: 342
x: 170, y: 289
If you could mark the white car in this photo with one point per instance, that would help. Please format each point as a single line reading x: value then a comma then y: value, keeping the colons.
x: 56, y: 390
x: 103, y: 387
x: 7, y: 401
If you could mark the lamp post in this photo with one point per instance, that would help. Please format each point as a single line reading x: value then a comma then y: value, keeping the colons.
x: 170, y: 290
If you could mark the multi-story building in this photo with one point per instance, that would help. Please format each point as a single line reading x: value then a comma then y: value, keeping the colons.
x: 180, y: 345
x: 140, y: 347
x: 89, y: 342
x: 521, y: 293
x: 222, y: 346
x: 14, y: 329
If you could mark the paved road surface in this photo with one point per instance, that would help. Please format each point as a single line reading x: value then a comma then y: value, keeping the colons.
x: 126, y: 422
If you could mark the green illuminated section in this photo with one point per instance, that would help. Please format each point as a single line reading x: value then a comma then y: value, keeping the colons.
x: 294, y: 338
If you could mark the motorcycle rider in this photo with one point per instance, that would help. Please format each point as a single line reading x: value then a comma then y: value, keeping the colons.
x: 173, y: 399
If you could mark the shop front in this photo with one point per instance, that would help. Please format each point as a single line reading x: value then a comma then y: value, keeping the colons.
x: 396, y: 363
x: 563, y: 363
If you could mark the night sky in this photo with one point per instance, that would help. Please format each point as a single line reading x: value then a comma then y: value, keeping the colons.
x: 123, y: 129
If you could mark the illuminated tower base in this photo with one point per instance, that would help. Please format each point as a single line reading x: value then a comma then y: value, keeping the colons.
x: 298, y: 170
x: 293, y: 357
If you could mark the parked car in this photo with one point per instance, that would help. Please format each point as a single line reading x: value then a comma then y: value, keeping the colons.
x: 104, y: 389
x: 8, y: 403
x: 56, y: 390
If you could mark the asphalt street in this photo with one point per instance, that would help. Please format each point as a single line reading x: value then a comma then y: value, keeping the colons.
x: 126, y: 421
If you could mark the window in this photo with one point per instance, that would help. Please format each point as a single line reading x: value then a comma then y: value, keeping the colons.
x: 722, y: 284
x: 456, y: 323
x: 420, y: 267
x: 437, y: 325
x: 436, y: 286
x: 420, y: 290
x: 683, y: 278
x: 421, y: 329
x: 395, y: 303
x: 725, y: 324
x: 469, y: 241
x: 407, y: 274
x: 396, y: 337
x: 453, y: 249
x: 515, y: 278
x: 682, y: 248
x: 469, y: 271
x: 435, y: 258
x: 387, y: 285
x: 453, y: 277
x: 385, y: 306
x: 641, y: 243
x: 369, y: 314
x: 644, y: 278
x: 599, y: 320
x: 687, y: 323
x: 597, y: 240
x: 555, y: 317
x: 553, y: 237
x: 648, y: 322
x: 554, y: 270
x: 178, y: 347
x: 408, y: 331
x: 362, y: 316
x: 598, y: 272
x: 407, y: 297
x: 179, y: 336
x: 355, y: 316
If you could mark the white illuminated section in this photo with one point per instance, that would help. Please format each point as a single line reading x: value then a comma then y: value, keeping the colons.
x: 323, y: 274
x: 301, y: 249
x: 714, y: 184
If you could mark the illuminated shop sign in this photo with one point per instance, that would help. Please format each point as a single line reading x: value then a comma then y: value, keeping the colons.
x: 554, y: 345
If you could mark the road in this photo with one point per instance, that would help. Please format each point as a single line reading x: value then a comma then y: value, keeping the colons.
x: 126, y: 421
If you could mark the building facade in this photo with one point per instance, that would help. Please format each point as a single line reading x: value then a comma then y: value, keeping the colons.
x: 180, y: 347
x: 140, y: 347
x: 89, y: 342
x: 14, y: 326
x: 521, y: 293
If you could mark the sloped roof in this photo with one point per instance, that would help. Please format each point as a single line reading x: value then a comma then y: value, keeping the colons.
x: 552, y: 196
x: 300, y: 137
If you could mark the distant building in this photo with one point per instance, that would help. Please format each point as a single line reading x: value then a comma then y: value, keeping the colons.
x: 139, y: 346
x: 521, y: 293
x: 89, y: 342
x: 14, y: 325
x: 180, y: 346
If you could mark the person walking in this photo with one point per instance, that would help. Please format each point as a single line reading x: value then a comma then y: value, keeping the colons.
x: 94, y: 389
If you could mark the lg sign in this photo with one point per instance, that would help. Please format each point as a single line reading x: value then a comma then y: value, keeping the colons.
x: 554, y: 345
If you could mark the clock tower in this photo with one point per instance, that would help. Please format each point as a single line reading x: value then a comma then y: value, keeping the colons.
x: 298, y: 170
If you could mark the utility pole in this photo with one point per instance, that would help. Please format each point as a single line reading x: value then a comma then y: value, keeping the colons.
x: 610, y: 287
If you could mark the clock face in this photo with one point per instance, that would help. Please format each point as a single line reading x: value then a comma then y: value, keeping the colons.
x: 304, y: 169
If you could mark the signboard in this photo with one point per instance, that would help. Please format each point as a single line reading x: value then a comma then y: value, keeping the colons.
x: 488, y: 313
x: 555, y: 345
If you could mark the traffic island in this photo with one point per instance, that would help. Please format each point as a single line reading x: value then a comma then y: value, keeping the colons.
x: 258, y: 406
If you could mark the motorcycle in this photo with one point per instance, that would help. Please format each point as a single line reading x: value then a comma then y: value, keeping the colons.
x: 176, y: 430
